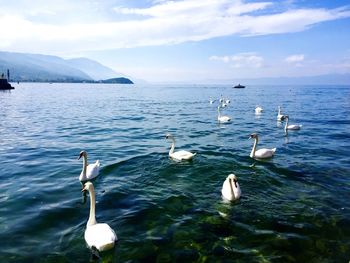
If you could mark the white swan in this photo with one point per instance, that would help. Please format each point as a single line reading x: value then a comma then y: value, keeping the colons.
x: 179, y: 155
x: 230, y: 188
x: 258, y: 109
x: 279, y: 115
x: 292, y: 126
x: 222, y: 119
x: 98, y: 236
x: 90, y: 171
x: 261, y: 153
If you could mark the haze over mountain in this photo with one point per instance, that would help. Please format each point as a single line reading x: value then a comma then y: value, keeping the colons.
x: 94, y: 69
x: 45, y: 68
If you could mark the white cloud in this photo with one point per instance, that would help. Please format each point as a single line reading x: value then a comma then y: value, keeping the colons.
x: 241, y: 60
x: 225, y: 59
x: 247, y: 60
x: 195, y: 8
x: 88, y: 25
x: 295, y: 58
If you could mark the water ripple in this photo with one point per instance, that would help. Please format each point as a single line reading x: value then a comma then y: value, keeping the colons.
x: 294, y: 207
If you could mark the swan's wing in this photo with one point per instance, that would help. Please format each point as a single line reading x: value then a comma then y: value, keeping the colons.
x: 93, y: 170
x: 182, y: 155
x: 265, y: 153
x: 226, y: 190
x: 224, y: 119
x: 101, y: 236
x: 294, y: 127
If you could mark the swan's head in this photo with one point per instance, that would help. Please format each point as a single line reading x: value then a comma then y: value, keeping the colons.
x: 232, y: 178
x: 253, y: 136
x: 284, y: 117
x: 87, y: 187
x: 169, y: 136
x: 82, y: 153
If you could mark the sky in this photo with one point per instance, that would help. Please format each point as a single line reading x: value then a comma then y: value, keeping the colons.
x: 186, y: 40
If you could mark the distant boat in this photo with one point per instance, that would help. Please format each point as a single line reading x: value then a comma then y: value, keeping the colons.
x: 239, y: 86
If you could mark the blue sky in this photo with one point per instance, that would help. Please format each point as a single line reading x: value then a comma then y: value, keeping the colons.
x: 187, y: 40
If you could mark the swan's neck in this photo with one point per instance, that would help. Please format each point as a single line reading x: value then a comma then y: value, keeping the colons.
x: 252, y: 153
x: 279, y: 110
x: 92, y: 218
x: 172, y: 146
x: 84, y: 166
x: 219, y: 114
x: 231, y: 187
x: 286, y: 125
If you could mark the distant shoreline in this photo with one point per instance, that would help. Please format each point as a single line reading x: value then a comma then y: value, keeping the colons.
x: 109, y: 81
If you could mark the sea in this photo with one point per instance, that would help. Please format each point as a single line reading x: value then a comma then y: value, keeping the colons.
x: 294, y: 207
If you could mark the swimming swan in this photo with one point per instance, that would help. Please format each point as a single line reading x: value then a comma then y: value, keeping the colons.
x: 258, y: 109
x: 290, y: 127
x: 230, y: 188
x: 222, y: 119
x: 279, y: 115
x: 179, y: 155
x: 98, y: 236
x: 90, y: 171
x: 261, y: 153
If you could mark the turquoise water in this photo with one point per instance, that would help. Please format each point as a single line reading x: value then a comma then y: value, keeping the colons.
x: 294, y: 207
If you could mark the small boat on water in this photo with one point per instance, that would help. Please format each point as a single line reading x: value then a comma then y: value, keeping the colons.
x: 239, y: 86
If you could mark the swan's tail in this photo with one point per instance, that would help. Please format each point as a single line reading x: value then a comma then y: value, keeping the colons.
x: 274, y: 150
x: 107, y: 246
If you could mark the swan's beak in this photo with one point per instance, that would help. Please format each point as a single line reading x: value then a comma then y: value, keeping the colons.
x: 235, y: 181
x: 253, y: 136
x: 80, y: 155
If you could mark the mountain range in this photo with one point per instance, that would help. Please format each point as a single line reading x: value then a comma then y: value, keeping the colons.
x: 47, y: 68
